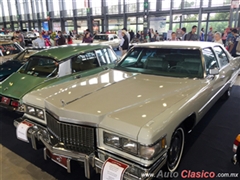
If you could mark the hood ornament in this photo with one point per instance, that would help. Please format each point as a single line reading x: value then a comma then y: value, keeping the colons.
x: 63, y: 103
x: 6, y: 88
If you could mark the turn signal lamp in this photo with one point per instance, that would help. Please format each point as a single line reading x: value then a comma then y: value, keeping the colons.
x: 236, y: 143
x: 15, y: 104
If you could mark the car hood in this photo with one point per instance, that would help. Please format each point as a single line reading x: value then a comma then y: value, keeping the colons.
x: 129, y: 102
x: 18, y: 84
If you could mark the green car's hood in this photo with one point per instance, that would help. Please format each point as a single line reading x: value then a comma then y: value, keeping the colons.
x: 18, y: 84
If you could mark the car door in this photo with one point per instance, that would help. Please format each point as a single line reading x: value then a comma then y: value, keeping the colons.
x: 212, y: 83
x: 226, y: 70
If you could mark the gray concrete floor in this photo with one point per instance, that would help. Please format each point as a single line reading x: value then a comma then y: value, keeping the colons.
x: 13, y: 167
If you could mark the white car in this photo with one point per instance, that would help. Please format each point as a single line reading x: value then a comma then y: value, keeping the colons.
x: 132, y: 118
x: 110, y: 39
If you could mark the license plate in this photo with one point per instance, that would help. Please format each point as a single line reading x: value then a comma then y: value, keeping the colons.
x: 62, y: 161
x: 22, y: 130
x: 5, y: 100
x: 113, y: 169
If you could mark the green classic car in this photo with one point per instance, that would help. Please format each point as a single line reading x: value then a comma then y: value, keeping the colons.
x: 54, y: 66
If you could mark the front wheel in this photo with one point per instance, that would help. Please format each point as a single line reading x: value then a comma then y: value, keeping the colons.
x: 176, y: 149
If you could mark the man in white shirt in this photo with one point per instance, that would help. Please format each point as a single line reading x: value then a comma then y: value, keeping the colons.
x: 127, y: 34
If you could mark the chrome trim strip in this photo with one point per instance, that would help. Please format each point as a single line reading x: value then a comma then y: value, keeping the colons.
x: 72, y: 121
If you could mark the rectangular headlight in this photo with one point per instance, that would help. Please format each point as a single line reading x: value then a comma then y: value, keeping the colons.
x: 111, y: 139
x: 40, y: 113
x: 129, y: 146
x: 30, y: 110
x: 34, y: 112
x: 132, y: 147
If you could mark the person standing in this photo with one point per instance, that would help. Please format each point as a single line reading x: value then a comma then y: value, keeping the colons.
x: 173, y: 37
x: 127, y: 34
x: 192, y: 36
x: 202, y: 34
x: 39, y: 42
x: 69, y: 40
x: 218, y: 38
x: 210, y: 35
x: 124, y: 43
x: 151, y: 35
x: 61, y: 39
x: 233, y: 44
x: 20, y: 38
x: 184, y: 33
x: 87, y: 38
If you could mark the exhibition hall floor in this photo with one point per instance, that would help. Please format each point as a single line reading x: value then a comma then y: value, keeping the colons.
x: 208, y: 147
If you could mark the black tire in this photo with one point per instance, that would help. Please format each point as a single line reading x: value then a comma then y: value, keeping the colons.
x: 176, y: 149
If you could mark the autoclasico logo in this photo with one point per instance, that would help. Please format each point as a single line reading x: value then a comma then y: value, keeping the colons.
x: 189, y: 174
x: 198, y: 174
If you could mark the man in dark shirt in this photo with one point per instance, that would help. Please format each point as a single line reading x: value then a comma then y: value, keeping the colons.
x: 233, y: 46
x: 192, y: 36
x: 61, y: 40
x: 20, y: 38
x: 125, y: 43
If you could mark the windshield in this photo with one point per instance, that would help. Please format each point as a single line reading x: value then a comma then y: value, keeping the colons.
x: 24, y: 55
x: 9, y: 49
x: 101, y: 37
x: 40, y: 67
x: 163, y: 62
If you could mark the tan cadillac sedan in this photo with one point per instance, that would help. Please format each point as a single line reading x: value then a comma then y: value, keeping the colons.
x: 131, y: 120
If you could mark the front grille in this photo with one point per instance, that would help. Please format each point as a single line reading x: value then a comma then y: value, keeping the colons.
x: 74, y: 137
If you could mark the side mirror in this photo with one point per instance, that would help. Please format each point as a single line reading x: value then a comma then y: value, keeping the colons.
x: 214, y: 71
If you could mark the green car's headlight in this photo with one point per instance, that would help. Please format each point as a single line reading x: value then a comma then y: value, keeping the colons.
x: 132, y: 147
x: 34, y: 111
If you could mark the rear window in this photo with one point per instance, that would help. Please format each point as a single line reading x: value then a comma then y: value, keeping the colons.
x: 40, y: 67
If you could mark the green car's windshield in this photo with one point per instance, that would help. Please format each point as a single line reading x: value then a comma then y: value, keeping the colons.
x: 164, y: 62
x: 40, y: 67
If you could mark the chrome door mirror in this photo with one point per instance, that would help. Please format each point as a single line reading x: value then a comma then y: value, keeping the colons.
x: 214, y: 71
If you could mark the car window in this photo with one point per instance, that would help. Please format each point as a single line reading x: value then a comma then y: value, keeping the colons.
x: 84, y: 62
x: 101, y: 37
x: 210, y: 59
x: 25, y: 55
x: 222, y: 56
x: 115, y: 37
x: 40, y: 67
x: 105, y: 56
x: 9, y: 49
x: 165, y: 62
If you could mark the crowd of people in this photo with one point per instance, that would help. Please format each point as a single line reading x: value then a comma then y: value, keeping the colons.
x: 229, y: 38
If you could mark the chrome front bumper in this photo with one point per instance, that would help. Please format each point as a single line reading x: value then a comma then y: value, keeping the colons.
x: 33, y: 132
x: 96, y: 160
x: 39, y: 135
